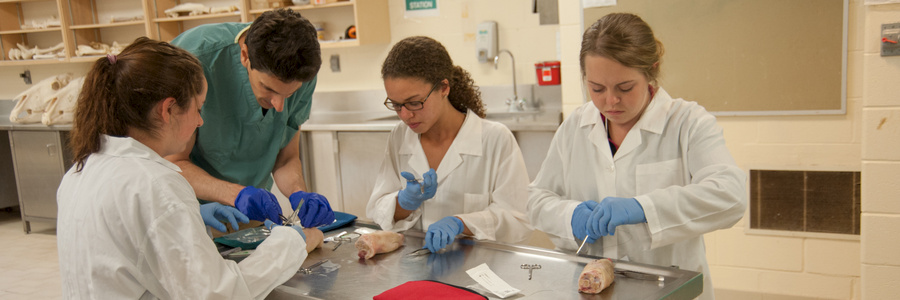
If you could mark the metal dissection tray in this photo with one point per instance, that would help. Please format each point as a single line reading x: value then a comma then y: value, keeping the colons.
x: 348, y: 277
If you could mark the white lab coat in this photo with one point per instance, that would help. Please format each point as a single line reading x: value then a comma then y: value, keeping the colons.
x: 129, y: 227
x: 673, y: 161
x: 481, y: 179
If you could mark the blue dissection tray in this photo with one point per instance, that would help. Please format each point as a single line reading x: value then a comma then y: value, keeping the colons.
x: 233, y: 239
x: 340, y: 220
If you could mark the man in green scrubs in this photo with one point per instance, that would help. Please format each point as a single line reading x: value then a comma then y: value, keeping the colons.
x: 261, y: 78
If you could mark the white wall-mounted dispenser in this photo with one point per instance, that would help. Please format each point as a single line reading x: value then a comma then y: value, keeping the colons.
x: 486, y: 41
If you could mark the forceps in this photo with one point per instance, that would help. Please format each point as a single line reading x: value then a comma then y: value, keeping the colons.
x: 339, y: 240
x: 582, y: 246
x: 421, y: 183
x: 420, y: 252
x: 289, y: 221
x: 308, y: 270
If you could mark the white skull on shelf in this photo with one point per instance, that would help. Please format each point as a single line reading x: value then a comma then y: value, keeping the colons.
x: 31, y: 104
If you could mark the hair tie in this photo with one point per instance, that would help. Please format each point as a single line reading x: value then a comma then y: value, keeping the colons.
x: 112, y: 58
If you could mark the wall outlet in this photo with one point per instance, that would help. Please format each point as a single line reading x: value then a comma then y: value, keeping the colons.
x: 335, y: 63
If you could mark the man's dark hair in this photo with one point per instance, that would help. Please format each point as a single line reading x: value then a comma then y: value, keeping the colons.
x: 283, y: 43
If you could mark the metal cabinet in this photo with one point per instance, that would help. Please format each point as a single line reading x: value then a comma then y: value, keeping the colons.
x: 359, y: 159
x: 534, y: 146
x: 9, y: 196
x: 40, y: 159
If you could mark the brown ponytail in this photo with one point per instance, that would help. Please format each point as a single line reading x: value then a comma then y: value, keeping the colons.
x: 120, y: 91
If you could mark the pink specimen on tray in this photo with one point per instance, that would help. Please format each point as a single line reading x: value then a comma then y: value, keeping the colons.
x: 597, y: 275
x: 378, y: 242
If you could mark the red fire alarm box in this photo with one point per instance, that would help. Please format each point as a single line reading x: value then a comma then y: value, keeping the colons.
x: 547, y: 72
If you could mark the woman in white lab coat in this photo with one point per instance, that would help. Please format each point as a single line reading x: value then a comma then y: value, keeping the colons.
x: 129, y: 225
x: 473, y: 177
x: 635, y: 172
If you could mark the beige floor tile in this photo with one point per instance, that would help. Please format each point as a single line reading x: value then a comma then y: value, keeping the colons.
x: 29, y: 261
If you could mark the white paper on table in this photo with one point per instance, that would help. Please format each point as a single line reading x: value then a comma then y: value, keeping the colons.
x: 489, y: 280
x: 598, y: 3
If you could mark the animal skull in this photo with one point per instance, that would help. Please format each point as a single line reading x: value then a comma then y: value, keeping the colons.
x: 31, y: 103
x: 61, y: 109
x: 189, y: 8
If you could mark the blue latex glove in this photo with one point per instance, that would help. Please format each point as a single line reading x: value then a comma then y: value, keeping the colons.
x: 315, y: 210
x: 612, y: 212
x: 414, y: 194
x: 580, y: 220
x: 442, y: 233
x: 258, y: 204
x: 269, y: 224
x: 214, y: 214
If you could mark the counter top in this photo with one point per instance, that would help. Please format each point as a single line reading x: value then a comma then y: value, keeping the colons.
x: 347, y: 121
x: 345, y: 276
x: 380, y: 121
x: 5, y: 124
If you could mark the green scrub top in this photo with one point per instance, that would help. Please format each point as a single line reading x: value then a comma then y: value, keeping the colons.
x: 237, y: 143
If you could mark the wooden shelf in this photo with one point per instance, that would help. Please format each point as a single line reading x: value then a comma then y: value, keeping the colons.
x: 86, y: 58
x: 200, y: 17
x: 108, y: 25
x: 20, y: 31
x: 78, y: 18
x: 18, y: 1
x: 338, y: 44
x: 31, y: 62
x: 305, y: 7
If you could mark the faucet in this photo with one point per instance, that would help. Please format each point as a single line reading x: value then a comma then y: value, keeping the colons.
x: 515, y: 104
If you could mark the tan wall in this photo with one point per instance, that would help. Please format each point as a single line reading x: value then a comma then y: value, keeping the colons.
x: 880, y: 161
x: 758, y: 266
x: 748, y: 266
x: 754, y: 265
x: 519, y: 31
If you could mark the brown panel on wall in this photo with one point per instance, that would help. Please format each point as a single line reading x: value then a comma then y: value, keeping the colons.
x: 810, y: 201
x: 747, y: 56
x: 829, y: 202
x: 783, y: 208
x: 857, y: 201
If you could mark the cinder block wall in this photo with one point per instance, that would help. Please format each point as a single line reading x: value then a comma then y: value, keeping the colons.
x: 744, y: 266
x: 880, y: 258
x: 748, y: 266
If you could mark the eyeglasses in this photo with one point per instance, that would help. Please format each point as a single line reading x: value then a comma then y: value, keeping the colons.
x: 411, y: 105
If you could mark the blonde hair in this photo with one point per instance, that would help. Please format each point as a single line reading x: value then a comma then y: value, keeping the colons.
x: 626, y: 39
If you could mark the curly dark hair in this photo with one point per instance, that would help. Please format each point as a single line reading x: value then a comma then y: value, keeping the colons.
x: 425, y: 58
x: 283, y: 43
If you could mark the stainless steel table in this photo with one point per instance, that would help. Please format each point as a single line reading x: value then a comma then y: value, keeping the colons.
x: 348, y: 277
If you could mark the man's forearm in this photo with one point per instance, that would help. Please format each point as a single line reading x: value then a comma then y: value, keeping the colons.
x: 289, y: 177
x: 207, y: 187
